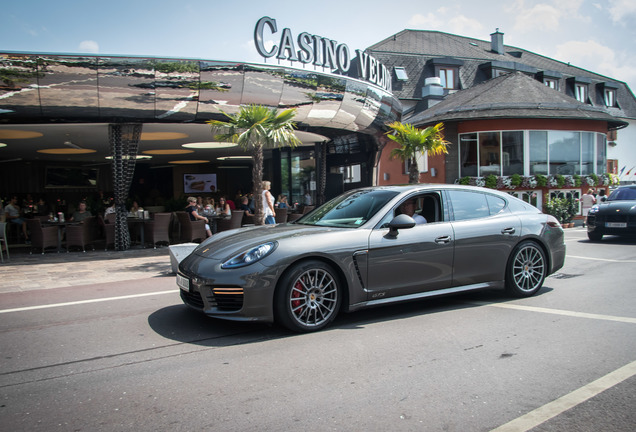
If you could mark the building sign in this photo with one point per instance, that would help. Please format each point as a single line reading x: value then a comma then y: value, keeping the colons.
x: 321, y: 51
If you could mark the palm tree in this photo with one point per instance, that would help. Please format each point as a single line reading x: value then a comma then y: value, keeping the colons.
x: 414, y: 141
x: 254, y: 128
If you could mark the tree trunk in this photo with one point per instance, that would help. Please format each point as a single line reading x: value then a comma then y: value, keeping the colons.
x: 414, y: 173
x: 257, y: 184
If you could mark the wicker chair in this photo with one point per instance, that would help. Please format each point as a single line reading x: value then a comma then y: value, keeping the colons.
x: 3, y: 240
x: 190, y: 230
x: 281, y: 215
x: 82, y: 234
x: 42, y: 237
x: 158, y: 230
x: 232, y: 222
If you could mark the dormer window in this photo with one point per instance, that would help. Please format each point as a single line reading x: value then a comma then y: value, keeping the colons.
x: 550, y: 78
x: 552, y: 83
x: 578, y: 88
x: 606, y: 94
x: 447, y: 76
x: 610, y: 98
x: 400, y: 73
x: 580, y: 92
x: 447, y: 69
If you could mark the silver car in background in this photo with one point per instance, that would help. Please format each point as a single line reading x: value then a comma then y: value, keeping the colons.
x: 359, y: 250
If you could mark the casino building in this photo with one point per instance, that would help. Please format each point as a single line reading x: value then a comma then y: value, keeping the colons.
x: 76, y: 125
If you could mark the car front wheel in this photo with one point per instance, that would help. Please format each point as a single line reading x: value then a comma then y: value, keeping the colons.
x: 526, y: 270
x: 308, y: 297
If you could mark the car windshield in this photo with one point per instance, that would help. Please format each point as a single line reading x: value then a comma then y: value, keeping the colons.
x: 350, y: 210
x: 621, y: 194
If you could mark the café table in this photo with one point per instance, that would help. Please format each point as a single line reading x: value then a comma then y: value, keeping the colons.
x: 60, y: 229
x: 139, y: 225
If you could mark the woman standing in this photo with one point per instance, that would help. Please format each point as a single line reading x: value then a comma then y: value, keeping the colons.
x: 268, y: 204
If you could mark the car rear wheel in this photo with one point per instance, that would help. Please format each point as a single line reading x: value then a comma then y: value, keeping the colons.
x: 308, y: 297
x: 594, y: 236
x: 526, y: 270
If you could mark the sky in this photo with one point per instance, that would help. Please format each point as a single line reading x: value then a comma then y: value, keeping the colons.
x: 597, y: 35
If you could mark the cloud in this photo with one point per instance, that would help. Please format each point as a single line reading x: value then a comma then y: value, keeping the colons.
x: 539, y: 17
x: 621, y: 9
x: 447, y: 20
x: 89, y: 46
x: 598, y: 58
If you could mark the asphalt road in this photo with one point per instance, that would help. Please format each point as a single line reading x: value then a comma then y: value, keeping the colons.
x: 129, y: 356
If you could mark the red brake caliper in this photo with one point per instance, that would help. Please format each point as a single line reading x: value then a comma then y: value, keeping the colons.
x: 296, y: 293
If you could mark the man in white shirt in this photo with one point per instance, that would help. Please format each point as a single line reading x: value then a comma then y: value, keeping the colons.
x: 408, y: 208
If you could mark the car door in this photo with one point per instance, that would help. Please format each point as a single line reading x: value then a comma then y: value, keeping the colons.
x: 485, y: 232
x: 417, y: 259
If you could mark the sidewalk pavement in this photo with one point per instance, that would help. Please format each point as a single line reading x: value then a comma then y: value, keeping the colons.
x: 25, y: 272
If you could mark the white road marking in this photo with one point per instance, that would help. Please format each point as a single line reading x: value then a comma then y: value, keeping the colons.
x: 601, y: 259
x: 564, y: 403
x: 79, y: 302
x: 559, y: 312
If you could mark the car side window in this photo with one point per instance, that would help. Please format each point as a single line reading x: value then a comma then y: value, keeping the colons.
x: 496, y: 204
x: 468, y: 205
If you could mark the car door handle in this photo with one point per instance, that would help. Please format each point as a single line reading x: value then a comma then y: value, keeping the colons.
x: 508, y: 231
x: 443, y: 239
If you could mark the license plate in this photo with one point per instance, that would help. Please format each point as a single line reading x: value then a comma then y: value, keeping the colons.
x: 183, y: 282
x: 615, y: 224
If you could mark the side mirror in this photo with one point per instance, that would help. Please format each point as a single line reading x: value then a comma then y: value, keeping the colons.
x: 401, y: 221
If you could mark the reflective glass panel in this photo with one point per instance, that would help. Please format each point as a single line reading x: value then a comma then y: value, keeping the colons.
x: 512, y: 153
x: 538, y: 152
x: 587, y: 153
x: 564, y: 152
x: 468, y: 155
x: 489, y: 154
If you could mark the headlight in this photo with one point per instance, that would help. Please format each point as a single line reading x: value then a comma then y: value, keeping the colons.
x: 595, y: 208
x: 250, y: 256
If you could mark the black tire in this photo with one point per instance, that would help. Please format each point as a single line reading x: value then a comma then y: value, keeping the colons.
x: 526, y: 270
x: 308, y: 297
x: 594, y: 236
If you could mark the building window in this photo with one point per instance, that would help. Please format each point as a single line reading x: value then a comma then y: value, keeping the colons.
x: 610, y: 97
x: 552, y: 83
x: 548, y: 153
x: 538, y: 151
x: 350, y: 173
x: 400, y: 73
x: 447, y: 77
x: 580, y: 92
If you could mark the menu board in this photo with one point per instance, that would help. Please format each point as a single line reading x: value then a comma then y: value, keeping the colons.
x: 199, y: 183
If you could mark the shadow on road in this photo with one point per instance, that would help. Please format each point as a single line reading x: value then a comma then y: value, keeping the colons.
x: 182, y: 324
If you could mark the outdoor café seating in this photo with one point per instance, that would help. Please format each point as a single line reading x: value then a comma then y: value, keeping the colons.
x: 190, y: 230
x: 230, y: 223
x: 158, y: 229
x: 3, y: 240
x: 82, y: 234
x: 281, y: 215
x: 42, y: 237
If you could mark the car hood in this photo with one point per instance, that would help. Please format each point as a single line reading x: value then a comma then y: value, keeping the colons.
x: 226, y: 244
x: 618, y: 206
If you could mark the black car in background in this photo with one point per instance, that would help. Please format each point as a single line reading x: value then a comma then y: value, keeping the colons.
x: 616, y: 216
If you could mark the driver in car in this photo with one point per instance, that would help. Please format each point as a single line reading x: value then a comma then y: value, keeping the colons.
x: 408, y: 208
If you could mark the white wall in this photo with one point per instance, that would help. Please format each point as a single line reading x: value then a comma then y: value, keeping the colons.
x: 625, y: 152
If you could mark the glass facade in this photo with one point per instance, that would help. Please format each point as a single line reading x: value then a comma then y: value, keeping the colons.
x: 504, y: 153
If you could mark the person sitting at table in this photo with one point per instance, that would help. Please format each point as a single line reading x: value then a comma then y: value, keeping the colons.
x: 245, y: 206
x: 282, y: 201
x: 110, y: 209
x: 191, y: 209
x: 135, y: 208
x: 223, y: 209
x: 81, y: 213
x: 12, y: 213
x: 208, y: 207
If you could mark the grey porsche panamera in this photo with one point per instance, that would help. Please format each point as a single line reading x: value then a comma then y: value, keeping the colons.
x: 362, y: 249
